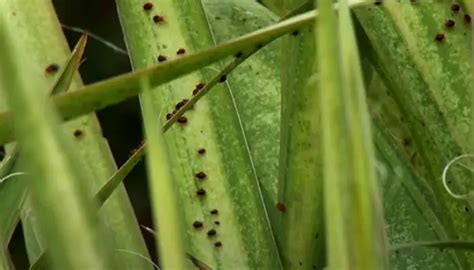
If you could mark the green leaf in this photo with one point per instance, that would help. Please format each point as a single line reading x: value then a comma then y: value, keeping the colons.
x: 257, y: 127
x: 449, y: 244
x: 255, y: 88
x: 45, y: 155
x: 301, y: 238
x: 13, y: 200
x: 429, y: 80
x: 30, y: 22
x: 112, y: 91
x: 241, y: 238
x: 163, y: 190
x: 353, y: 215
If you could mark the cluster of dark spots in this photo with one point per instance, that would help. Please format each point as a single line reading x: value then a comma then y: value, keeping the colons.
x: 180, y: 104
x: 198, y: 88
x: 440, y: 37
x: 197, y: 224
x: 52, y: 68
x: 281, y: 207
x: 295, y: 33
x: 78, y: 133
x: 239, y: 54
x: 202, y: 151
x: 180, y: 51
x: 217, y: 222
x: 201, y: 175
x: 467, y: 18
x: 223, y: 78
x: 168, y: 116
x: 211, y: 232
x: 182, y: 120
x: 148, y: 6
x: 455, y: 8
x: 161, y: 58
x: 158, y: 19
x: 214, y: 212
x: 201, y: 192
x: 450, y: 23
x: 218, y: 244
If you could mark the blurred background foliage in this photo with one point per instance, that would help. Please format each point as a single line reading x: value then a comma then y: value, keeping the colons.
x: 121, y: 124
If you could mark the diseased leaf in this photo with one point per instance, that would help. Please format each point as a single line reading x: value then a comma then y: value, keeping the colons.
x: 112, y: 91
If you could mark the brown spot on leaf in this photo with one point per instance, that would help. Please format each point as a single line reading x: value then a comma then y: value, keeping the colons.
x: 201, y: 175
x: 78, y: 133
x: 158, y: 19
x: 52, y: 68
x: 182, y: 120
x: 281, y: 207
x: 148, y: 6
x: 197, y: 224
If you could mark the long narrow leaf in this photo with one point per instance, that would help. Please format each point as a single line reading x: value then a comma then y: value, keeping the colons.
x: 47, y: 55
x: 300, y: 200
x: 225, y: 221
x: 46, y: 158
x: 353, y: 218
x: 163, y: 188
x: 427, y: 69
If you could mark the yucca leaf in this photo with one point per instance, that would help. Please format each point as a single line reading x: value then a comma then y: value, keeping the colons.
x: 137, y: 155
x: 449, y: 244
x: 4, y: 255
x: 300, y: 234
x: 162, y: 188
x: 237, y: 234
x: 353, y: 218
x: 46, y: 158
x: 29, y: 23
x: 426, y: 66
x: 13, y: 200
x: 112, y: 91
x: 255, y: 88
x: 276, y: 6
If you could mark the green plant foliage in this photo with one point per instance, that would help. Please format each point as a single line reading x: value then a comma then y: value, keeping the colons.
x: 301, y: 238
x: 112, y: 91
x: 46, y: 56
x: 280, y: 166
x: 225, y: 221
x: 353, y: 215
x: 80, y: 228
x: 425, y: 66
